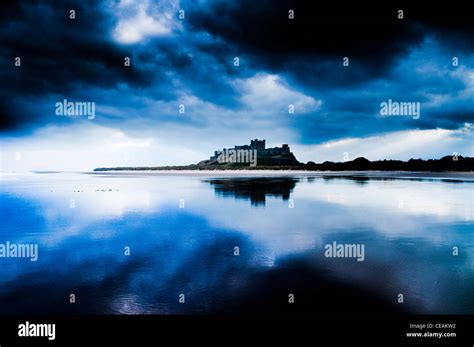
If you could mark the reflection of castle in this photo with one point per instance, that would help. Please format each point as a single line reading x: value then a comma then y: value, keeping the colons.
x: 265, y: 156
x: 254, y: 189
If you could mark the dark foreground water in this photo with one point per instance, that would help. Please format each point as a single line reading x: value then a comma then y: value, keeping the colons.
x: 132, y: 244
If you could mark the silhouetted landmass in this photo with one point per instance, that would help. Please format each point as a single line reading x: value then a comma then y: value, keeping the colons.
x: 447, y: 163
x: 256, y: 156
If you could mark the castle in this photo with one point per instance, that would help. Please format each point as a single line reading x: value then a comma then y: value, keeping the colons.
x: 266, y: 156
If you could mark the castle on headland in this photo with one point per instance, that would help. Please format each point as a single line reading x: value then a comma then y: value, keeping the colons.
x: 265, y: 156
x: 247, y: 157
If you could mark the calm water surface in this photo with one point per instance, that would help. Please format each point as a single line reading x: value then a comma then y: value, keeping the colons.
x: 182, y: 232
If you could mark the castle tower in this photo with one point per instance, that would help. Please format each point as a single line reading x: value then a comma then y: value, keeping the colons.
x: 257, y: 144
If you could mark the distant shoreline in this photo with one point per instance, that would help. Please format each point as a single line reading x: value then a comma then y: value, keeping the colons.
x: 445, y: 164
x: 447, y: 175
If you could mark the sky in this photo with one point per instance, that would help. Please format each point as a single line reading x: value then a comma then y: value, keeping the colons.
x: 183, y: 58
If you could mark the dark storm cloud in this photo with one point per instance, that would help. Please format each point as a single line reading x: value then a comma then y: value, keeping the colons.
x: 57, y: 52
x: 79, y: 58
x: 66, y: 58
x: 449, y: 117
x: 311, y: 46
x: 203, y: 73
x: 60, y: 56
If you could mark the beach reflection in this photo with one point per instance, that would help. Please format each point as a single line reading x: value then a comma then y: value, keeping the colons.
x: 279, y: 225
